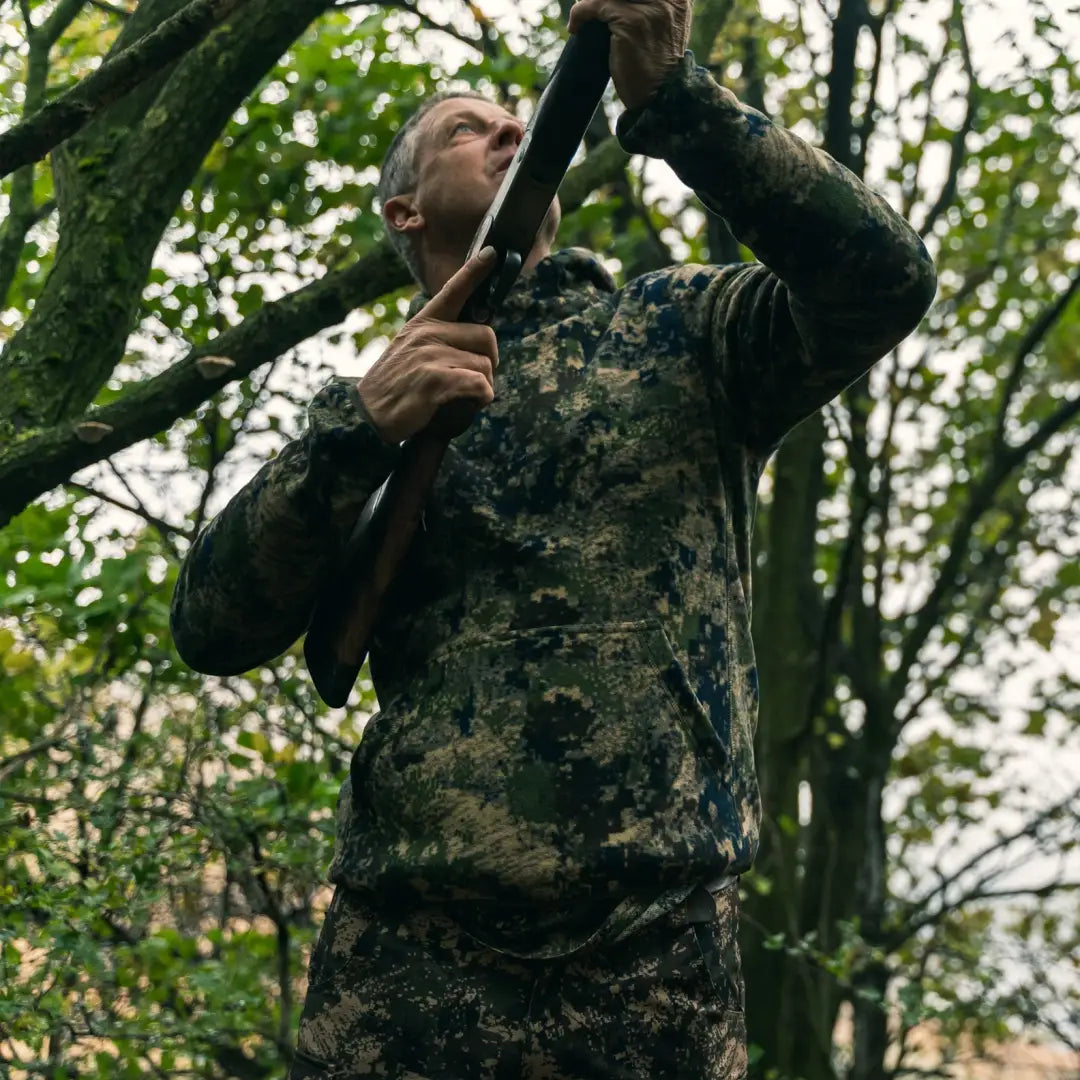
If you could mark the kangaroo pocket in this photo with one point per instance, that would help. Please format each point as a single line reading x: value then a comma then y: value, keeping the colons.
x: 549, y: 766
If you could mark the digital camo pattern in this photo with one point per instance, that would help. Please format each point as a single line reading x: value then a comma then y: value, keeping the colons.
x: 246, y: 588
x: 409, y: 994
x: 565, y: 669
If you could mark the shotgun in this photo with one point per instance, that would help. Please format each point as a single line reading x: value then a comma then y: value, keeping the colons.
x: 344, y: 617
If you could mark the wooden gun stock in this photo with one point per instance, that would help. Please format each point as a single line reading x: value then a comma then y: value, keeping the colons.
x: 339, y: 635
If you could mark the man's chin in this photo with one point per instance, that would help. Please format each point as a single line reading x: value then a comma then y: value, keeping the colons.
x: 552, y: 217
x: 548, y: 227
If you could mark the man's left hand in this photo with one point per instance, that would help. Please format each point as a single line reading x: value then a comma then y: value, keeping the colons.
x: 648, y: 39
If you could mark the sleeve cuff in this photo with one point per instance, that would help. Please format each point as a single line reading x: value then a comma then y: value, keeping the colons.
x: 686, y: 114
x: 346, y: 450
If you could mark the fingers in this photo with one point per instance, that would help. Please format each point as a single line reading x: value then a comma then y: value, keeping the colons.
x: 432, y: 360
x: 586, y: 10
x: 458, y: 365
x: 447, y: 303
x: 470, y: 338
x: 470, y: 385
x: 408, y: 408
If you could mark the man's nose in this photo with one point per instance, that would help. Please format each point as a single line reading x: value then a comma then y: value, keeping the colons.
x: 508, y: 132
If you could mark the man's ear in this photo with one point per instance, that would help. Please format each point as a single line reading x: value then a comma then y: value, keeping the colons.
x: 402, y: 215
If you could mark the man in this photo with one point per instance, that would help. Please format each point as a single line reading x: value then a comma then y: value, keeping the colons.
x: 542, y: 830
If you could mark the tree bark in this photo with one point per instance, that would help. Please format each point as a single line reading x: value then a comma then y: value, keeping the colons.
x: 870, y: 1031
x: 31, y: 139
x: 119, y: 187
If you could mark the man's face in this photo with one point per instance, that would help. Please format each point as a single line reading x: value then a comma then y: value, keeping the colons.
x: 464, y: 147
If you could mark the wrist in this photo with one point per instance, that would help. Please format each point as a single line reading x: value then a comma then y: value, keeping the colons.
x: 686, y: 110
x: 645, y: 98
x: 363, y: 407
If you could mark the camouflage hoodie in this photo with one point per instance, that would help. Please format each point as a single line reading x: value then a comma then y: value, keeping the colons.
x: 565, y: 671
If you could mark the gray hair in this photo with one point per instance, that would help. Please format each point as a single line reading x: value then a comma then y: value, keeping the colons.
x: 398, y: 175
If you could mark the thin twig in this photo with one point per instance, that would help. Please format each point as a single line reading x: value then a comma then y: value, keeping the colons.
x: 926, y: 910
x: 425, y: 20
x: 9, y: 764
x: 959, y: 140
x: 112, y: 9
x: 164, y: 529
x: 1038, y: 330
x: 909, y: 190
x: 1004, y: 461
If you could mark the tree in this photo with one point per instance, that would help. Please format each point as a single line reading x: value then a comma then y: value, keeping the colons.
x: 182, y: 271
x: 893, y: 555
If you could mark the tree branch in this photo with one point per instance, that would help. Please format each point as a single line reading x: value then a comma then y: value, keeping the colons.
x: 1037, y: 331
x: 112, y: 9
x: 850, y: 18
x: 910, y: 187
x: 1040, y: 891
x: 1004, y: 461
x: 62, y: 17
x: 885, y: 489
x: 830, y: 636
x: 866, y: 127
x: 865, y: 644
x: 921, y: 912
x: 427, y: 21
x: 602, y: 165
x: 45, y: 457
x: 10, y: 764
x: 21, y: 213
x: 709, y: 19
x: 978, y: 620
x: 979, y: 892
x: 165, y: 530
x: 20, y: 219
x: 959, y: 139
x: 34, y: 137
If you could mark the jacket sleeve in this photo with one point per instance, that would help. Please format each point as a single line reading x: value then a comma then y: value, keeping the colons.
x: 842, y: 277
x: 249, y: 583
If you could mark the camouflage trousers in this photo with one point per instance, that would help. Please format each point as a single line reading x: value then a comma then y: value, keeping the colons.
x: 409, y: 995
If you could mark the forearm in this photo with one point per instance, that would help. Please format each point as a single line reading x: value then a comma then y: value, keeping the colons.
x: 248, y: 585
x: 843, y: 253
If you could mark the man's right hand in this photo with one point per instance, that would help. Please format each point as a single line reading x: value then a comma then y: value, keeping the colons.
x: 433, y: 360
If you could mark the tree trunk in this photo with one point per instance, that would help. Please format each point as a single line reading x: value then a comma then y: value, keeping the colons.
x: 786, y: 641
x: 792, y: 1004
x: 870, y: 1032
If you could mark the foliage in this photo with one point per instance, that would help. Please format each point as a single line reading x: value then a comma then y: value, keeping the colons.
x: 164, y: 837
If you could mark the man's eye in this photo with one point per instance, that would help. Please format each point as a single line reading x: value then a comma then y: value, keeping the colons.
x: 463, y: 125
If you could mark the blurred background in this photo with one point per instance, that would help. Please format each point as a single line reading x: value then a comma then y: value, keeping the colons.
x: 181, y: 274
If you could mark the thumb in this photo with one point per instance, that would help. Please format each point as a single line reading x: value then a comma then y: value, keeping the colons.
x: 447, y: 303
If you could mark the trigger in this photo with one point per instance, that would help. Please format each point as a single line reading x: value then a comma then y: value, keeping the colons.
x: 507, y: 275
